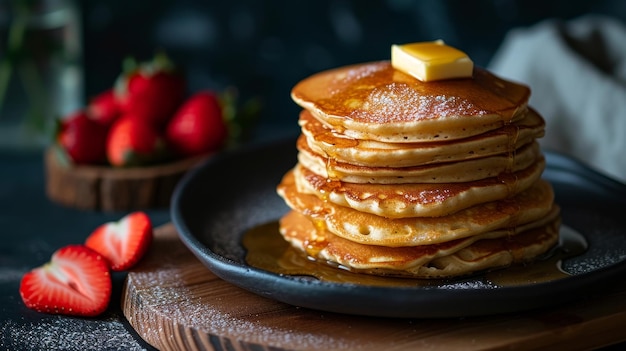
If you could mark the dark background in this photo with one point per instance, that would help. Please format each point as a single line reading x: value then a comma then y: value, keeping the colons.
x: 264, y: 47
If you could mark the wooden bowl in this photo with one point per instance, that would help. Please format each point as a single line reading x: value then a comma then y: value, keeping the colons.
x: 103, y: 188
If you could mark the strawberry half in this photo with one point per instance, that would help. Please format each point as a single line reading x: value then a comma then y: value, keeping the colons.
x: 198, y: 126
x: 124, y: 242
x: 76, y: 281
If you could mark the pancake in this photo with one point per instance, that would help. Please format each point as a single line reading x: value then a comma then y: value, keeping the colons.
x: 365, y: 228
x: 396, y: 176
x: 447, y: 172
x: 495, y: 249
x: 326, y: 141
x: 377, y: 102
x: 416, y: 199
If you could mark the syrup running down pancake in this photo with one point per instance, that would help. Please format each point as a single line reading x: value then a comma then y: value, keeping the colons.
x: 416, y: 199
x: 425, y: 179
x: 444, y: 172
x: 533, y: 204
x: 327, y: 141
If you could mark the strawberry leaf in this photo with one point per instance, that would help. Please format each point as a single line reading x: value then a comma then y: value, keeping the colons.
x: 62, y: 157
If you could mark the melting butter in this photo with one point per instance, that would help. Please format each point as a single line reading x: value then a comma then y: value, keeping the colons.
x: 428, y: 61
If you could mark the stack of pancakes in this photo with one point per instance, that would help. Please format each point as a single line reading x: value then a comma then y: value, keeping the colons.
x: 401, y: 177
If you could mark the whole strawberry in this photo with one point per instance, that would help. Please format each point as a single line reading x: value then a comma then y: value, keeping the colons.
x: 133, y: 141
x: 76, y: 281
x: 82, y: 138
x: 103, y: 108
x: 198, y: 126
x: 151, y: 90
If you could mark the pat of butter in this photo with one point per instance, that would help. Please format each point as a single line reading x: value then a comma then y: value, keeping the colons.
x: 428, y: 61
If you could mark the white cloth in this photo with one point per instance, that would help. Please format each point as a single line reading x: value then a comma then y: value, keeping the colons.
x: 577, y: 73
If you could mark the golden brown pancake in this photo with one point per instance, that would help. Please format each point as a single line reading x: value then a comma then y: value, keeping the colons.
x: 416, y: 199
x: 365, y: 228
x: 452, y: 258
x: 446, y: 172
x: 375, y: 101
x: 326, y: 141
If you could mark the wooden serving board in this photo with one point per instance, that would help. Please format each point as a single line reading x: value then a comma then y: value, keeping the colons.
x: 175, y: 303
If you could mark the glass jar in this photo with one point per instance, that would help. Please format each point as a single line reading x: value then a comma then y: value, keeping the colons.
x: 41, y: 76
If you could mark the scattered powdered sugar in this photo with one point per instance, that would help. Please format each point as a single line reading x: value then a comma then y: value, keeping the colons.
x: 62, y: 333
x: 468, y: 284
x: 593, y: 263
x: 244, y: 325
x: 170, y: 303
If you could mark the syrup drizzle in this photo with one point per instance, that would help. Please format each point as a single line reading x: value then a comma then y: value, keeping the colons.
x: 549, y: 268
x: 267, y: 250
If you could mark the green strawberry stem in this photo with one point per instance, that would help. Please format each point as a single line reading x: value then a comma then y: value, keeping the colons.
x: 162, y: 62
x: 129, y: 65
x: 159, y: 63
x: 240, y: 119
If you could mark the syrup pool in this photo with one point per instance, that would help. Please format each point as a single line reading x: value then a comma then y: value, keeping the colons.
x: 267, y: 250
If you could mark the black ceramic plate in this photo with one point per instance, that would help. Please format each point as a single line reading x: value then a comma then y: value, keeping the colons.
x: 216, y: 203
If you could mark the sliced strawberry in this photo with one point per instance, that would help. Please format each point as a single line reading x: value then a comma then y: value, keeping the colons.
x: 198, y: 126
x: 124, y: 242
x: 151, y: 90
x: 133, y: 141
x: 103, y: 108
x: 76, y: 281
x: 82, y: 138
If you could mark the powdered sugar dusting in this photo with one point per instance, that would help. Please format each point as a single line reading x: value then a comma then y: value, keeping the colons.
x: 398, y: 102
x: 61, y: 333
x: 469, y: 284
x: 179, y: 305
x: 176, y: 300
x: 358, y: 72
